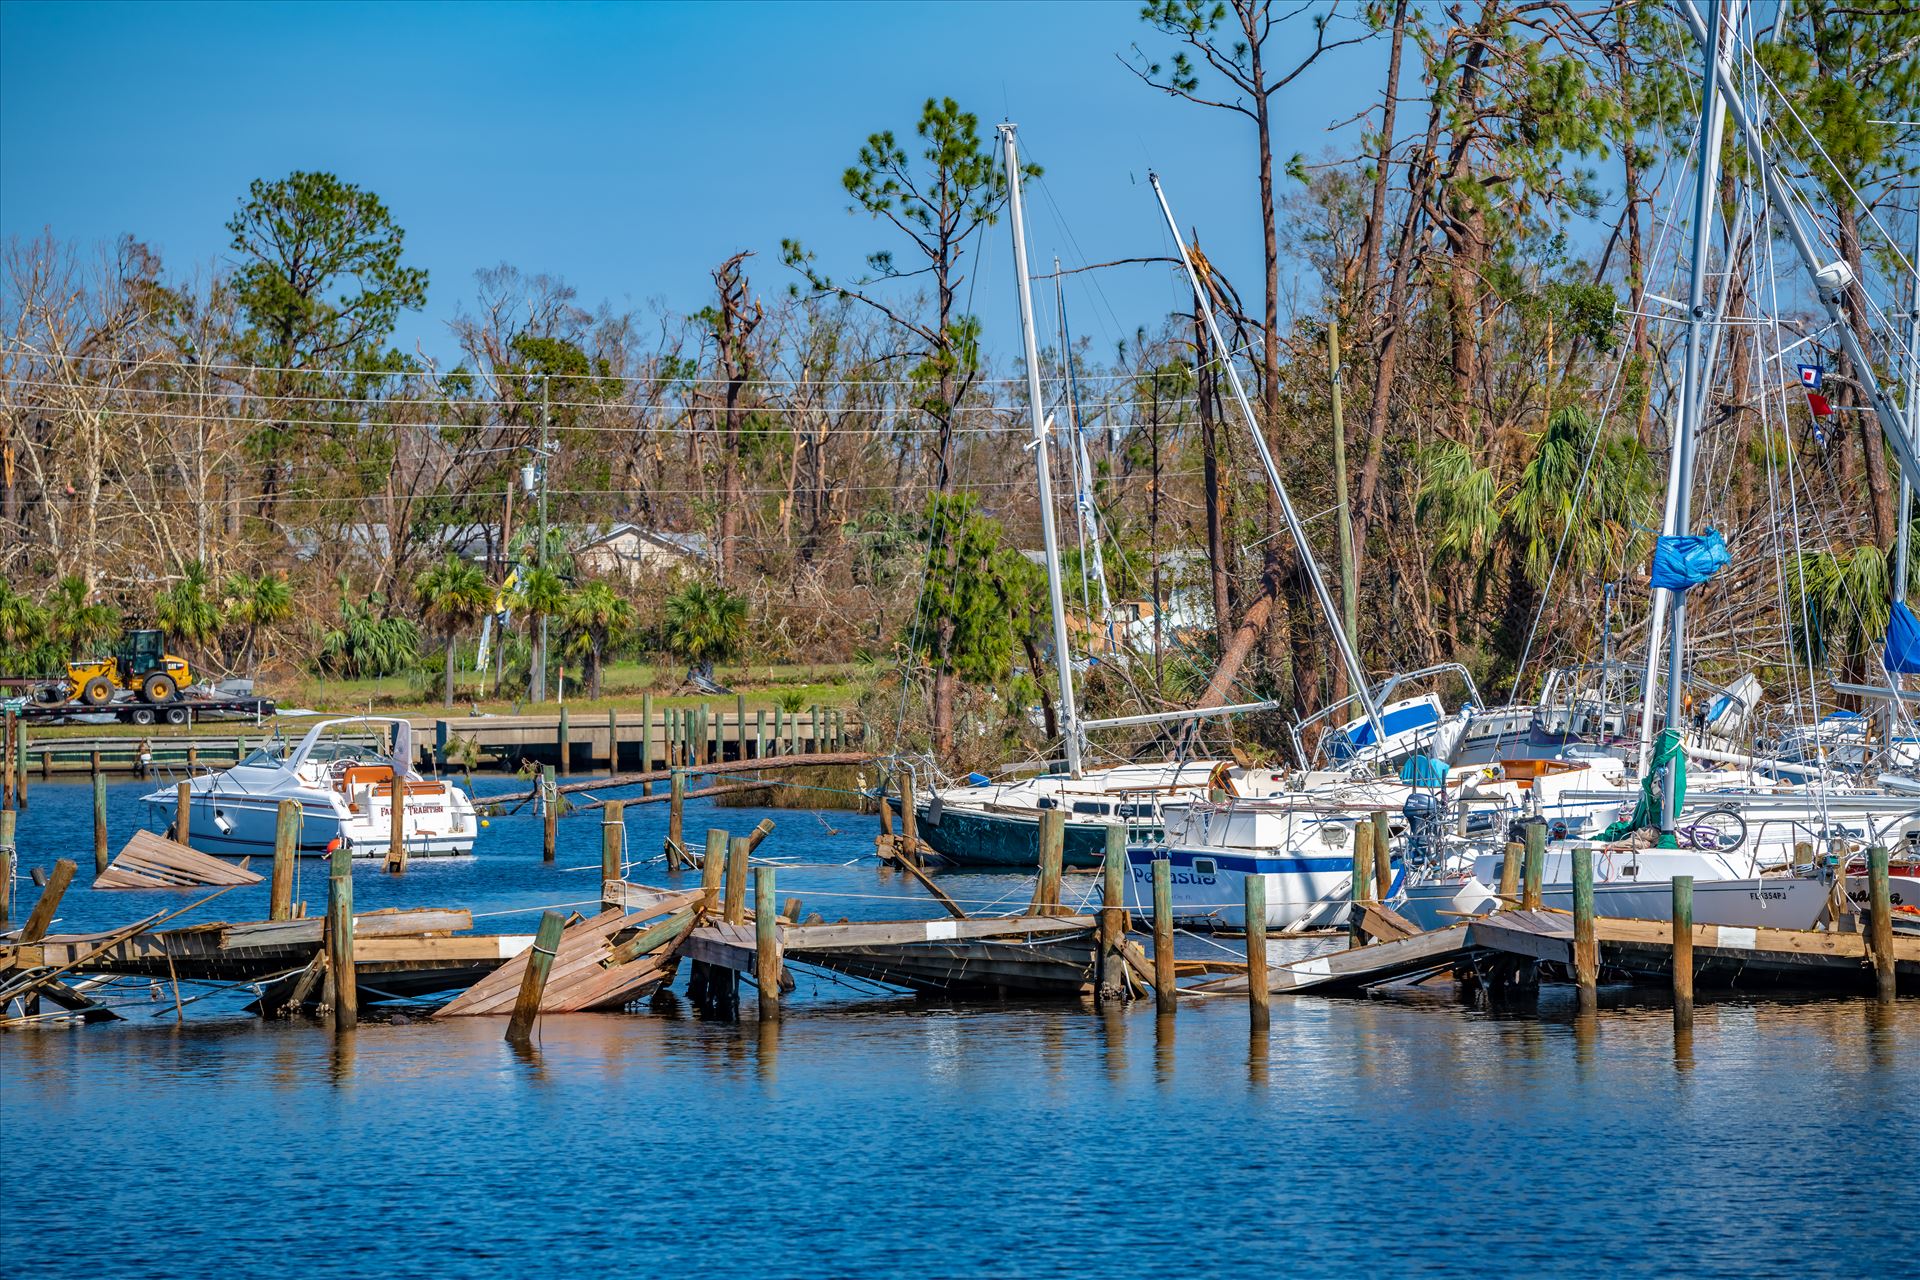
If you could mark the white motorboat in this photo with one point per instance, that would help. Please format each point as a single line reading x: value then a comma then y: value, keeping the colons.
x: 345, y: 793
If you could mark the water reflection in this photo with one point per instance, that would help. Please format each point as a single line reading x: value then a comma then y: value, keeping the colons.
x: 767, y: 1049
x: 1163, y: 1030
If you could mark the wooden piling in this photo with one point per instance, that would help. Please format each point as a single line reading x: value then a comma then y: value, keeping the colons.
x: 339, y: 930
x: 1880, y: 926
x: 286, y: 846
x: 1536, y: 833
x: 1683, y: 951
x: 613, y: 740
x: 909, y: 819
x: 646, y: 741
x: 6, y: 761
x: 93, y: 762
x: 563, y: 736
x: 1510, y: 864
x: 1111, y: 980
x: 1382, y: 858
x: 813, y: 727
x: 533, y: 983
x: 99, y: 823
x: 1051, y: 832
x: 676, y: 811
x: 761, y: 830
x: 549, y: 814
x: 7, y: 860
x: 1164, y: 991
x: 1586, y: 946
x: 397, y: 826
x: 40, y: 919
x: 183, y: 813
x: 734, y: 899
x: 1258, y: 997
x: 705, y: 750
x: 739, y: 727
x: 1362, y: 864
x: 711, y: 867
x: 766, y: 943
x: 613, y: 832
x: 20, y: 764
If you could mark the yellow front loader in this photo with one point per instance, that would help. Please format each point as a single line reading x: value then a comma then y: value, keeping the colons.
x: 139, y: 663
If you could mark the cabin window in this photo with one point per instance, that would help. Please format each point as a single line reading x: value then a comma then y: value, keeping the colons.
x: 1205, y: 867
x: 1046, y: 802
x: 1090, y: 807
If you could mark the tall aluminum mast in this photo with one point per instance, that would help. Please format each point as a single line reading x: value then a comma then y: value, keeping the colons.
x: 1328, y: 608
x: 1692, y: 380
x: 1063, y: 657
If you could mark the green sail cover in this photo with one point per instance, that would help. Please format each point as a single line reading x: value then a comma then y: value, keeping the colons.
x: 1668, y: 753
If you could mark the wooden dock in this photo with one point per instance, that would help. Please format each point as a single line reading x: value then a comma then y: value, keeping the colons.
x: 1029, y: 955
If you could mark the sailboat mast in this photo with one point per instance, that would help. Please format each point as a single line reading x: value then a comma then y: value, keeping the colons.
x: 1328, y: 609
x: 1086, y: 514
x: 1913, y: 417
x: 1693, y: 382
x: 1062, y: 656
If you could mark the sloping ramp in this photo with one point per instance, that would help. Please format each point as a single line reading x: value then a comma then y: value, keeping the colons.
x: 1359, y: 967
x: 150, y: 861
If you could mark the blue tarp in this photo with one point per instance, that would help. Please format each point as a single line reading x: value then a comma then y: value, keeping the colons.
x: 1687, y: 560
x: 1424, y: 771
x: 1903, y: 641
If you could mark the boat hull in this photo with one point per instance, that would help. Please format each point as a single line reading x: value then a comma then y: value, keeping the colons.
x: 970, y: 838
x: 234, y: 826
x: 1770, y: 902
x: 1304, y: 890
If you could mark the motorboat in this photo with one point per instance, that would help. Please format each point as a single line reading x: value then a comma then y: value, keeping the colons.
x: 345, y: 787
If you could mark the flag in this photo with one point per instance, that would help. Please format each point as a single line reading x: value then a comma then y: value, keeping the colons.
x: 1818, y: 403
x: 1810, y: 375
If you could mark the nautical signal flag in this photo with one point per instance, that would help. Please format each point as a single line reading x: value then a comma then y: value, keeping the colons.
x: 1818, y: 403
x: 1810, y: 375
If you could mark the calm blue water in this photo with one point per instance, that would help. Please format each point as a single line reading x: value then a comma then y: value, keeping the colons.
x: 873, y: 1135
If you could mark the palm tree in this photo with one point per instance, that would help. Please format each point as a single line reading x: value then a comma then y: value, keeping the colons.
x: 257, y: 603
x: 78, y: 623
x: 541, y: 594
x: 705, y: 625
x: 365, y: 644
x: 597, y: 618
x: 23, y: 627
x: 186, y: 612
x: 1841, y: 604
x: 456, y: 595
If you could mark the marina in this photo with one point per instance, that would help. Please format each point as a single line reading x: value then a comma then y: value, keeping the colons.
x: 1306, y: 668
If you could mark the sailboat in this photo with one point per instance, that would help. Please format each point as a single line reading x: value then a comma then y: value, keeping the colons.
x: 1800, y: 829
x: 989, y: 823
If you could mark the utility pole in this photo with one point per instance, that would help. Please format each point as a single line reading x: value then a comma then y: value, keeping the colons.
x: 1349, y: 589
x: 540, y: 551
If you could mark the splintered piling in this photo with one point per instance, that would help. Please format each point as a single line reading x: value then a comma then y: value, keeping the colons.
x: 1382, y: 858
x: 1510, y: 863
x: 533, y: 983
x: 183, y: 813
x: 676, y: 812
x: 40, y: 919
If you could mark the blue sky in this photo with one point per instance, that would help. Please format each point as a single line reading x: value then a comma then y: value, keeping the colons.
x: 625, y: 148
